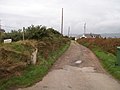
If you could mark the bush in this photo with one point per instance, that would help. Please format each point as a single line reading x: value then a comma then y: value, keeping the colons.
x: 109, y: 45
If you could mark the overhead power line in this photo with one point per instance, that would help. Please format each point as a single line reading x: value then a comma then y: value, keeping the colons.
x: 9, y: 27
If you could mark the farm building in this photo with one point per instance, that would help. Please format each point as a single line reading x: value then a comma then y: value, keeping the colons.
x: 2, y: 30
x: 91, y: 36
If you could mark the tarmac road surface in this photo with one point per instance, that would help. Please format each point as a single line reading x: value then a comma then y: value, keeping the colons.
x: 77, y: 69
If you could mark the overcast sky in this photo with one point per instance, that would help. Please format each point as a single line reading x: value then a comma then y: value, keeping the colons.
x: 101, y: 16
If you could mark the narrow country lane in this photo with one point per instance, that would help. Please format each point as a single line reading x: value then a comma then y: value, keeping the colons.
x: 77, y: 69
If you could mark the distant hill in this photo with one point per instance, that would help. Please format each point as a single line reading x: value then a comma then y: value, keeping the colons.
x: 112, y: 35
x: 107, y: 35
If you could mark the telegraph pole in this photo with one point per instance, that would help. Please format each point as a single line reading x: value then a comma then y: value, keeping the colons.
x: 0, y: 33
x: 62, y: 23
x: 68, y: 31
x: 0, y: 24
x: 84, y: 28
x: 23, y: 33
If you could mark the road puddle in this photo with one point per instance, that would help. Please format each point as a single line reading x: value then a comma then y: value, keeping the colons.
x: 78, y: 62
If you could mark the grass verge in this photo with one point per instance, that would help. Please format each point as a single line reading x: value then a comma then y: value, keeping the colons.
x: 108, y: 61
x: 33, y: 73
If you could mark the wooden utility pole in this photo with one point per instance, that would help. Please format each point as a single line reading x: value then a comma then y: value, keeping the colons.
x: 84, y: 28
x: 0, y: 24
x: 68, y: 31
x: 23, y: 33
x: 62, y: 23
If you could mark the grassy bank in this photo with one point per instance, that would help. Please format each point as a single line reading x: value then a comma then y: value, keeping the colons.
x: 42, y: 45
x: 107, y: 59
x: 33, y: 73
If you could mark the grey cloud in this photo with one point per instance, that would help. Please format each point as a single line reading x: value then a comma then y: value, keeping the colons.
x: 101, y: 16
